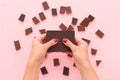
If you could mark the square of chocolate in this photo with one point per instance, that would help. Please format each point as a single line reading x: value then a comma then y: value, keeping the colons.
x: 70, y: 28
x: 93, y: 51
x: 99, y: 33
x: 17, y: 45
x: 22, y: 17
x: 42, y: 31
x: 63, y: 27
x: 68, y: 10
x: 60, y: 47
x: 56, y: 62
x: 66, y: 71
x: 42, y: 16
x: 98, y: 62
x: 81, y: 28
x: 28, y: 31
x: 86, y: 40
x: 74, y: 21
x: 54, y: 11
x: 44, y: 70
x: 85, y: 22
x: 62, y: 10
x: 35, y: 20
x: 45, y: 5
x: 91, y: 18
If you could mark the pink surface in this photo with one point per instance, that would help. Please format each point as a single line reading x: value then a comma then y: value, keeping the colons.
x: 107, y: 19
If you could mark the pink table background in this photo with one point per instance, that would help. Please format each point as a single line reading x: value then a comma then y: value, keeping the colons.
x: 107, y: 19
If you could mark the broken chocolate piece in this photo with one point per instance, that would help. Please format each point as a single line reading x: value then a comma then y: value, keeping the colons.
x: 42, y: 16
x: 45, y: 5
x: 86, y: 40
x: 60, y: 47
x: 70, y: 28
x: 68, y: 10
x: 35, y: 20
x: 28, y: 31
x: 22, y: 17
x: 66, y: 71
x: 62, y: 27
x: 99, y: 33
x: 98, y: 62
x: 42, y: 31
x: 74, y: 21
x: 85, y: 22
x: 93, y: 51
x: 62, y: 10
x: 17, y: 45
x: 56, y: 62
x: 91, y: 18
x: 44, y: 70
x: 54, y: 11
x: 81, y: 28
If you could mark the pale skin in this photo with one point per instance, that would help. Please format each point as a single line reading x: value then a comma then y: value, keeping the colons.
x: 39, y: 50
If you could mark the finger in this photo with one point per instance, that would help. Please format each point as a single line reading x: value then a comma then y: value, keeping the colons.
x: 41, y: 38
x: 78, y: 41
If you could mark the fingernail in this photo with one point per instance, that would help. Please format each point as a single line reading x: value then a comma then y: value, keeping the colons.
x: 64, y: 40
x: 56, y: 40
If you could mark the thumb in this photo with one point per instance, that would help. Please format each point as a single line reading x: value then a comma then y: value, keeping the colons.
x: 51, y: 43
x: 68, y: 43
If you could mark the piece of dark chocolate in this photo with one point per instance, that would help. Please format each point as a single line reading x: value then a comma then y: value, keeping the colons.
x: 98, y: 62
x: 22, y: 17
x: 17, y: 45
x: 81, y: 28
x: 62, y: 10
x: 42, y: 16
x: 63, y: 27
x: 54, y: 11
x: 91, y: 18
x: 44, y: 70
x: 85, y: 22
x: 66, y: 71
x: 74, y: 21
x: 42, y: 31
x: 56, y: 62
x: 28, y: 31
x: 68, y: 10
x: 99, y: 33
x: 93, y: 51
x: 45, y: 5
x: 35, y: 20
x: 86, y: 40
x: 70, y: 28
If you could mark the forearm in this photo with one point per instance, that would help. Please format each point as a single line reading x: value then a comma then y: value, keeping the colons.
x: 87, y: 72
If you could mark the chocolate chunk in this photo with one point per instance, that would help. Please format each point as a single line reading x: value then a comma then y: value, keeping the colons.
x: 22, y: 17
x: 66, y: 71
x: 98, y: 62
x: 44, y: 70
x: 70, y: 28
x: 74, y: 21
x: 60, y: 47
x: 62, y: 27
x: 28, y: 31
x: 99, y: 33
x: 56, y: 62
x: 81, y: 28
x: 45, y: 5
x: 93, y: 51
x: 54, y: 11
x: 42, y: 31
x: 17, y: 45
x: 68, y: 10
x: 62, y: 10
x: 85, y: 22
x: 86, y: 40
x: 69, y: 55
x: 91, y: 18
x: 35, y: 20
x: 42, y: 16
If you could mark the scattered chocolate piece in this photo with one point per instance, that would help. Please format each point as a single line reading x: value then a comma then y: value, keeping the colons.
x: 81, y: 28
x: 74, y: 21
x: 17, y: 45
x: 45, y: 5
x: 86, y: 40
x: 56, y: 62
x: 62, y: 10
x: 70, y: 28
x: 54, y: 11
x: 28, y: 31
x: 91, y: 18
x: 62, y: 27
x: 68, y: 10
x: 22, y: 17
x: 93, y: 51
x: 99, y: 33
x: 60, y: 47
x: 42, y: 31
x: 74, y: 65
x: 42, y: 16
x: 66, y: 71
x: 35, y: 20
x: 44, y: 70
x: 85, y: 22
x: 98, y: 62
x: 69, y: 55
